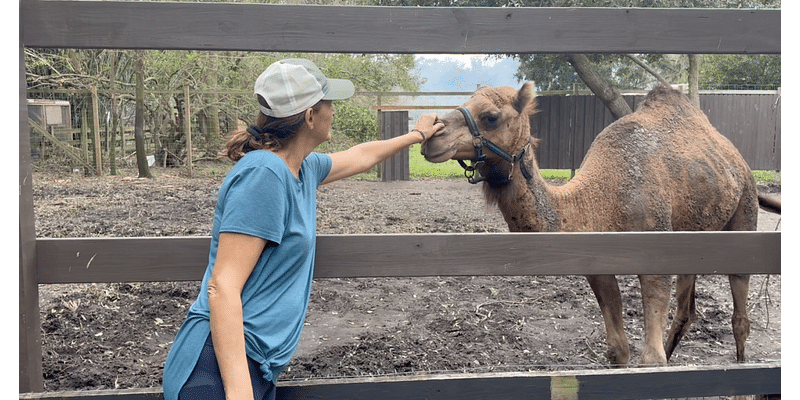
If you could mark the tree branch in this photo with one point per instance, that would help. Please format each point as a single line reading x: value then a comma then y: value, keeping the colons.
x: 647, y: 68
x: 606, y: 92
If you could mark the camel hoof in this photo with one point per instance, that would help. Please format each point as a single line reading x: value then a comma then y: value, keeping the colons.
x: 653, y: 358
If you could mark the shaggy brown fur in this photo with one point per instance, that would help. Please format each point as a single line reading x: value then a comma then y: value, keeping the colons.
x: 662, y: 168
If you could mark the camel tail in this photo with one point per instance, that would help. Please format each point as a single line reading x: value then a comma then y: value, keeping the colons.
x: 769, y: 203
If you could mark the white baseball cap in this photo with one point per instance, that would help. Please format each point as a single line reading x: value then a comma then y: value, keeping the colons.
x: 293, y: 85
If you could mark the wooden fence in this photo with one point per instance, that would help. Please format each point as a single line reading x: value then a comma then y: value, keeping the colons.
x: 263, y: 27
x: 569, y: 124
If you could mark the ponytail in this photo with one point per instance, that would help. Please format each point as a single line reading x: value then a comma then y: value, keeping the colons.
x: 268, y: 133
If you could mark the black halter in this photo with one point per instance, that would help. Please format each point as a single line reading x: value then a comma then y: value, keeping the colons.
x: 469, y: 170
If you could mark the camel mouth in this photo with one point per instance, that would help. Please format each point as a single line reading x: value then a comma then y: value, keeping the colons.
x: 437, y: 156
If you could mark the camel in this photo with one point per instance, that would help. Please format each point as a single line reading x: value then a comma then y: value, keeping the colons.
x: 661, y: 168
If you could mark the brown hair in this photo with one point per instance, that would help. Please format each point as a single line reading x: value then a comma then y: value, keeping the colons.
x: 269, y: 133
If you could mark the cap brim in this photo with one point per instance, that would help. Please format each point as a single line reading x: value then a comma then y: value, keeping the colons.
x: 338, y: 89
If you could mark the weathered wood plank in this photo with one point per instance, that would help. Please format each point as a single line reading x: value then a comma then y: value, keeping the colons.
x: 95, y: 260
x: 118, y: 394
x: 404, y: 108
x: 185, y: 258
x: 613, y: 384
x: 393, y: 124
x: 30, y: 336
x: 272, y: 27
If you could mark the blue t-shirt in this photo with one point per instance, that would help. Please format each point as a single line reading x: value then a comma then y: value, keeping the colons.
x: 260, y: 197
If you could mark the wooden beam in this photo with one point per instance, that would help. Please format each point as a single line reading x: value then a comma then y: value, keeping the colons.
x: 293, y: 28
x: 392, y: 124
x: 607, y: 384
x: 97, y: 143
x: 187, y: 128
x: 107, y: 394
x: 404, y: 108
x: 30, y: 329
x: 339, y: 256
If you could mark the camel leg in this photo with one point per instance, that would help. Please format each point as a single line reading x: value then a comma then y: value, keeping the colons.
x: 744, y: 219
x: 740, y: 286
x: 606, y: 290
x: 655, y: 301
x: 685, y: 313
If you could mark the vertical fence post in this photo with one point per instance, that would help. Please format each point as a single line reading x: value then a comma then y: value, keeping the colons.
x: 96, y: 127
x: 30, y: 336
x: 776, y: 138
x: 85, y: 138
x: 187, y: 127
x: 393, y: 124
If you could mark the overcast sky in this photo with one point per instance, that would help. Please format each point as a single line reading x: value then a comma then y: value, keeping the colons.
x: 456, y: 72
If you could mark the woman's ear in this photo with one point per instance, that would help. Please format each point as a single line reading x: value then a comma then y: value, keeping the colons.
x: 309, y: 117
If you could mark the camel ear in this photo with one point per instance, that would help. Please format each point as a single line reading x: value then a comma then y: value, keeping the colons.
x: 525, y: 101
x: 535, y: 143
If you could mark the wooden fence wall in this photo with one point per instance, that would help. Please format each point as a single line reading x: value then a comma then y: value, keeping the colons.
x: 391, y: 124
x: 267, y: 27
x: 569, y: 124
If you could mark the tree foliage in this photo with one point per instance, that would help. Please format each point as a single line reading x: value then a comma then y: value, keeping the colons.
x: 220, y: 86
x: 725, y: 71
x: 553, y: 72
x: 717, y: 72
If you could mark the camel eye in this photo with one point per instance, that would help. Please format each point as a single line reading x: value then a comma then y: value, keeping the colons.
x: 491, y: 119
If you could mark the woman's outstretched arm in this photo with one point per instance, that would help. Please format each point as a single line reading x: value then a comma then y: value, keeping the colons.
x: 360, y: 158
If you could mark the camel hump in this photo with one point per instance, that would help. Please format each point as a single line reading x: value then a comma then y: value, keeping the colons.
x: 769, y: 203
x: 664, y: 96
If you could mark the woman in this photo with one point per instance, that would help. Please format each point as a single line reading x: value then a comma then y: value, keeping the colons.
x: 245, y: 324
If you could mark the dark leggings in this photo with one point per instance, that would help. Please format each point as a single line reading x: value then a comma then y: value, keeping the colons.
x: 205, y: 382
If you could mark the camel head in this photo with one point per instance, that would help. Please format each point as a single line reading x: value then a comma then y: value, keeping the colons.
x: 501, y: 116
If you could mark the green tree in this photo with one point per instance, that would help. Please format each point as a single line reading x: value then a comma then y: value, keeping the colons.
x: 554, y: 72
x: 355, y: 121
x: 727, y: 71
x: 141, y: 157
x: 216, y: 81
x: 722, y: 71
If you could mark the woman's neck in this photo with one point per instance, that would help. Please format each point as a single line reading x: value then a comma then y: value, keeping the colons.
x: 295, y: 152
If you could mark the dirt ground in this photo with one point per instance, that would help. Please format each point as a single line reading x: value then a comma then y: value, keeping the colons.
x: 106, y: 336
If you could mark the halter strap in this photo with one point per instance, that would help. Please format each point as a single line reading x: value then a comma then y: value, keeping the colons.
x: 469, y: 171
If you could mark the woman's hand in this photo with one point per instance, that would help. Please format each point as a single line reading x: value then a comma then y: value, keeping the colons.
x: 429, y: 125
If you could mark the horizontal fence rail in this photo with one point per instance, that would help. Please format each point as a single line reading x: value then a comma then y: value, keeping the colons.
x: 617, y: 384
x: 345, y: 29
x: 95, y: 260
